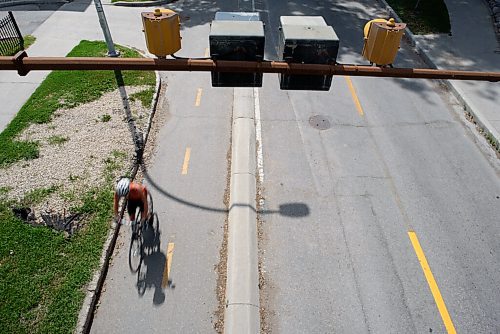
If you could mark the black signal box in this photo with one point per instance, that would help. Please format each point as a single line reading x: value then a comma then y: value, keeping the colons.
x: 237, y: 36
x: 307, y: 40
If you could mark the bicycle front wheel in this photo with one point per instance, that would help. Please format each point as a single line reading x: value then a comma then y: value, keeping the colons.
x: 135, y: 252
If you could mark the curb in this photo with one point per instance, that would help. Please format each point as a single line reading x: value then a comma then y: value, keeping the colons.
x: 479, y: 118
x: 94, y: 287
x: 242, y: 307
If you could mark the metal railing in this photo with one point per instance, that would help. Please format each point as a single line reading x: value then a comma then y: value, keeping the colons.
x: 11, y: 40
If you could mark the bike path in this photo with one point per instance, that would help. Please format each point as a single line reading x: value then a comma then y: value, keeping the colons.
x: 187, y: 179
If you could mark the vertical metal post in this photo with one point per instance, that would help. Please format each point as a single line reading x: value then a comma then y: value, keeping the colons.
x: 105, y: 29
x: 136, y: 136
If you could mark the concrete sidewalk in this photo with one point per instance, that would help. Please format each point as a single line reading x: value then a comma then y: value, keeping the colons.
x: 62, y: 31
x: 472, y: 46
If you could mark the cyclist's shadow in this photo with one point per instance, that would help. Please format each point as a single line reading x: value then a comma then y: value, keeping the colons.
x: 150, y: 273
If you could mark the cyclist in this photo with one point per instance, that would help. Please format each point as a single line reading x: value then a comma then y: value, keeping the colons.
x: 137, y: 195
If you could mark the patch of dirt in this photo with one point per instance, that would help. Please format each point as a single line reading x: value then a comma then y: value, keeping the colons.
x: 264, y: 286
x: 221, y: 267
x: 77, y: 149
x: 489, y: 138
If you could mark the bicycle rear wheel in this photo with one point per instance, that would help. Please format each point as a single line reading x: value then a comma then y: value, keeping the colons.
x: 136, y: 250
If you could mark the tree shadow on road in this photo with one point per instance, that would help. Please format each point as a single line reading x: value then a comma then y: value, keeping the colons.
x: 194, y: 13
x: 48, y: 5
x: 347, y: 18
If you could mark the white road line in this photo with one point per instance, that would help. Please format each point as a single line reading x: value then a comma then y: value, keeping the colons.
x: 258, y: 136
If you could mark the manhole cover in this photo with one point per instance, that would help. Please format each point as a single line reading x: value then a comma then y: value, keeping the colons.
x: 319, y: 122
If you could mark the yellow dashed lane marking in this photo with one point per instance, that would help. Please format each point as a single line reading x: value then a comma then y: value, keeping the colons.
x: 354, y: 96
x: 432, y: 284
x: 185, y: 165
x: 198, y: 98
x: 168, y: 263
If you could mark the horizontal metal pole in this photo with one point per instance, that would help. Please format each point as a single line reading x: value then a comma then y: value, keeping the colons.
x: 26, y: 64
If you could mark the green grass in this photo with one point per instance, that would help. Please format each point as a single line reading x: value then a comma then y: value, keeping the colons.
x: 42, y: 273
x: 105, y: 118
x: 114, y: 163
x: 119, y: 154
x: 38, y: 195
x: 6, y: 48
x: 57, y: 140
x: 493, y: 142
x: 65, y: 89
x: 144, y: 96
x: 3, y: 193
x: 28, y: 41
x: 431, y: 16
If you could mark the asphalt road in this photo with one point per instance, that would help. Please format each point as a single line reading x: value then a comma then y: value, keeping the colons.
x: 400, y: 167
x: 343, y: 207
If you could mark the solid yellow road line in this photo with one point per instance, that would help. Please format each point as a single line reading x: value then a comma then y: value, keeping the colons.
x: 206, y: 52
x: 450, y: 328
x: 168, y: 263
x: 354, y: 96
x: 185, y: 165
x: 198, y: 98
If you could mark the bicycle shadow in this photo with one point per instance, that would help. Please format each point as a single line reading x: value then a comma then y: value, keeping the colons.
x: 152, y: 270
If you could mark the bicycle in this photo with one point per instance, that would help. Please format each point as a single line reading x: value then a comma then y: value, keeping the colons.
x: 136, y: 250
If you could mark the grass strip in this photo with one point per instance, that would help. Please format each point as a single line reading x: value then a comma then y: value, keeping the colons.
x: 65, y: 89
x: 423, y: 16
x: 28, y: 41
x: 144, y: 96
x: 42, y: 273
x: 10, y: 50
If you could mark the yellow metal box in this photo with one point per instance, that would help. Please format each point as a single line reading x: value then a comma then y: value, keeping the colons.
x: 382, y: 40
x: 162, y: 30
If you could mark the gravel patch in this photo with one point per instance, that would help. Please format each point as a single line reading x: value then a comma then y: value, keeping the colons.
x: 77, y: 148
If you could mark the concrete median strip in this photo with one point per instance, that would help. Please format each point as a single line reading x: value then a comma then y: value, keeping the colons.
x: 242, y: 290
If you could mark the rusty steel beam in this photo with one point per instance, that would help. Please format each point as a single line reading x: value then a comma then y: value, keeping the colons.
x: 23, y: 64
